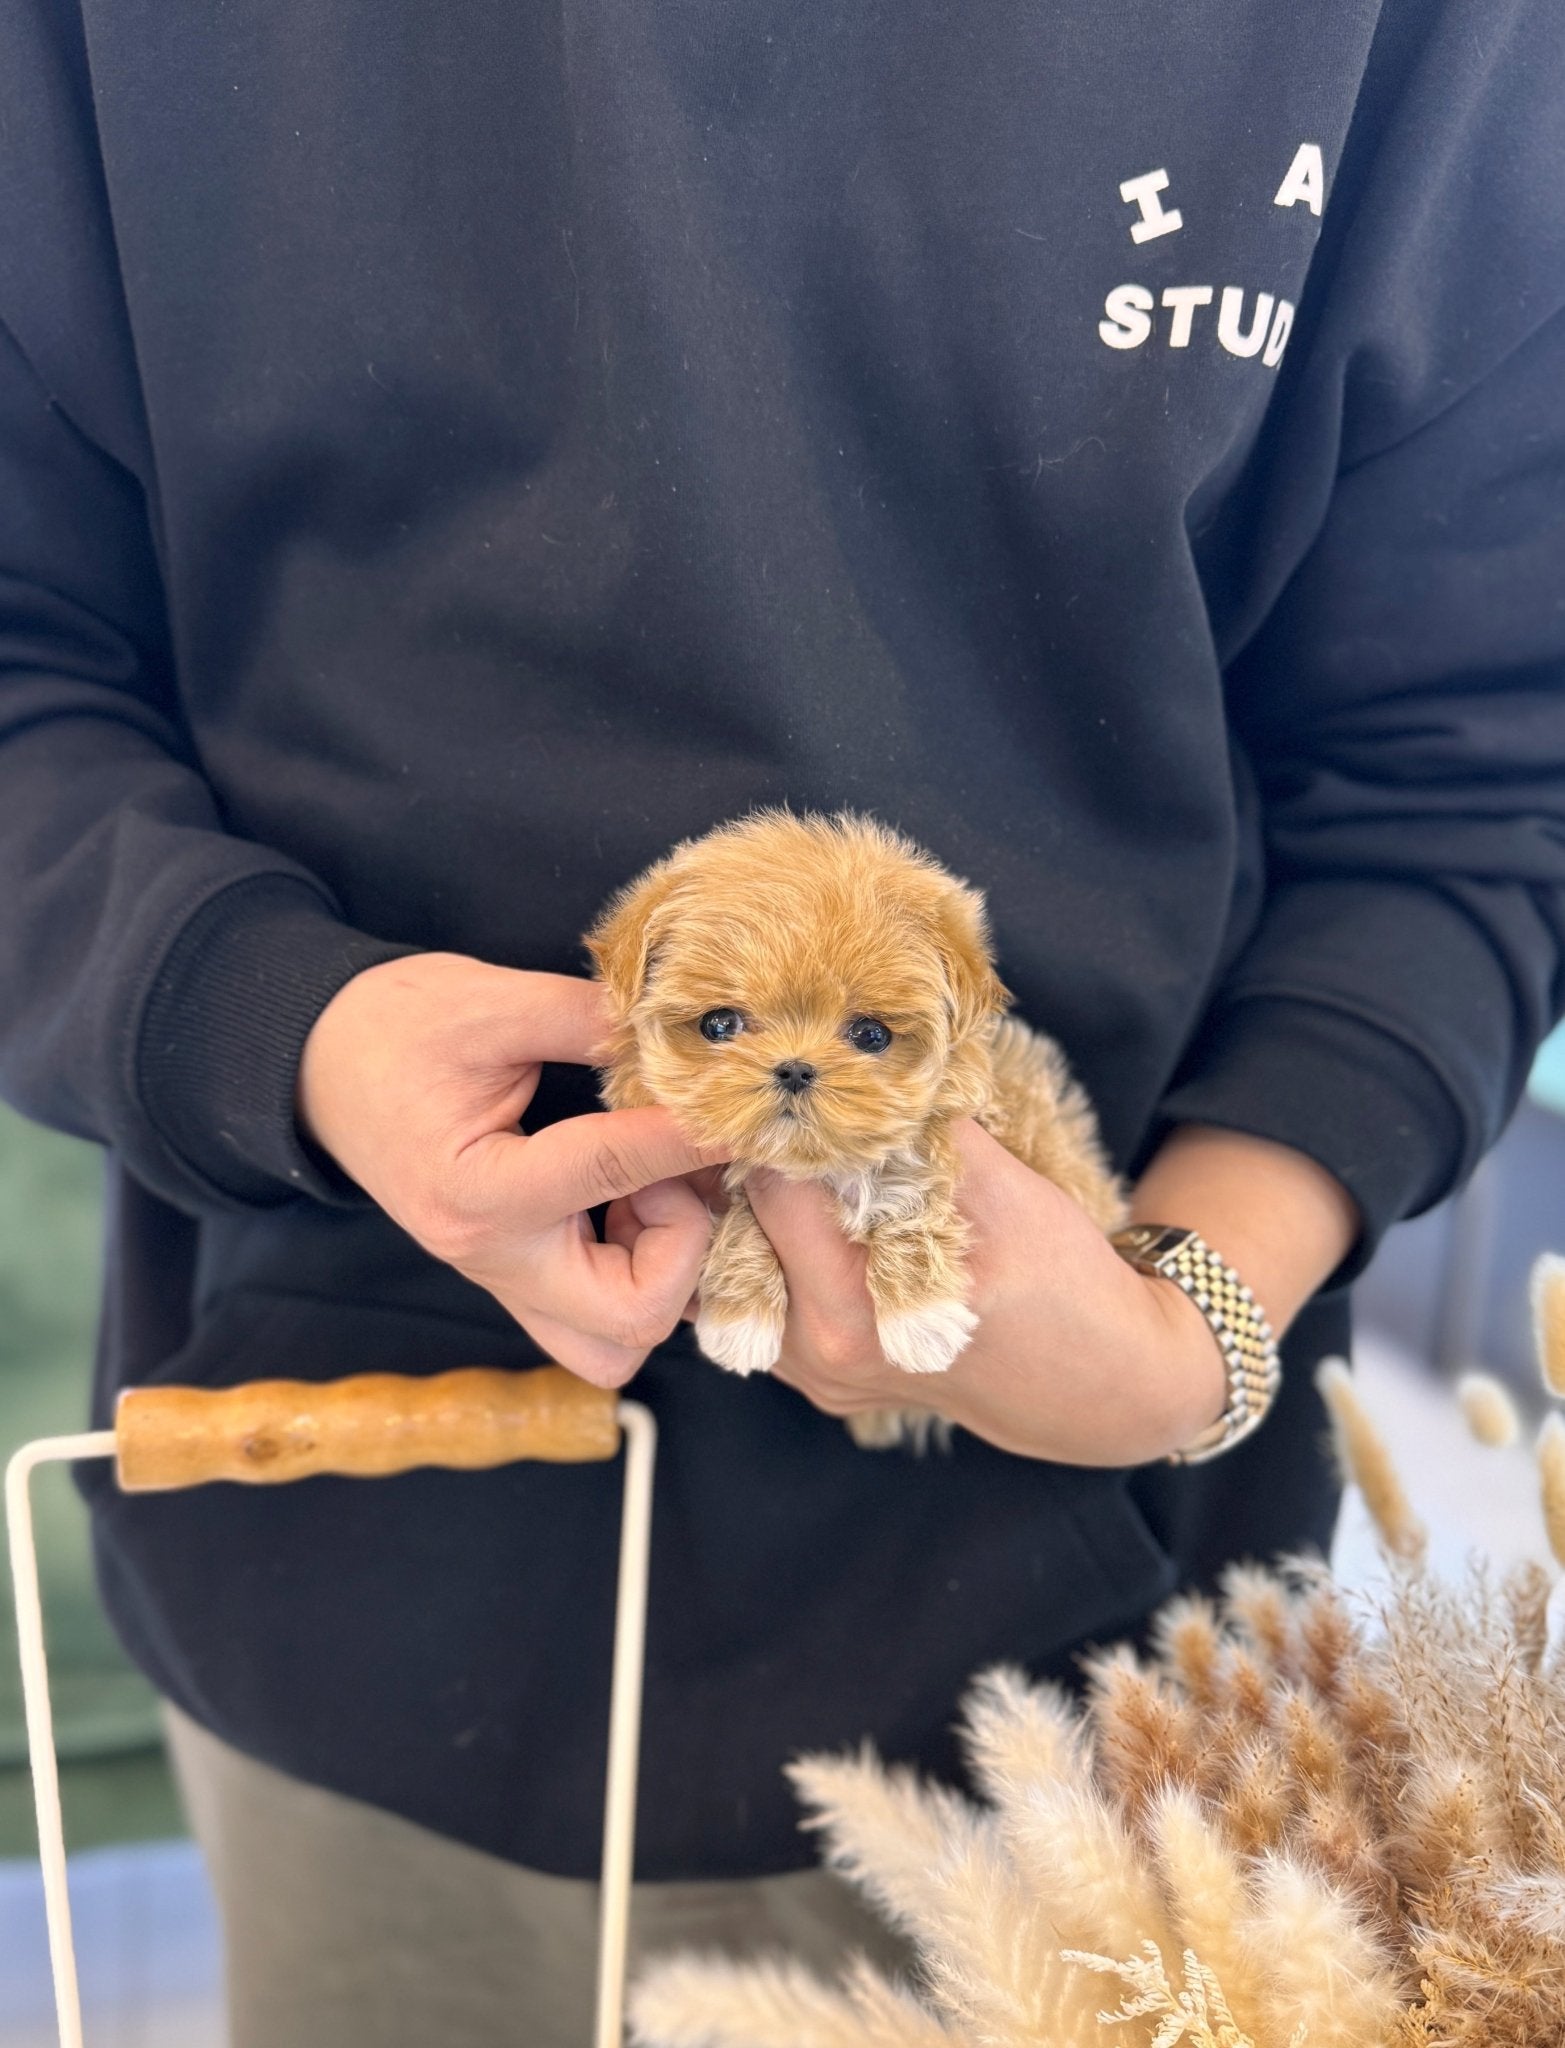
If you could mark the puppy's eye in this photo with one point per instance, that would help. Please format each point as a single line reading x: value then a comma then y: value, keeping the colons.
x: 720, y: 1024
x: 868, y: 1034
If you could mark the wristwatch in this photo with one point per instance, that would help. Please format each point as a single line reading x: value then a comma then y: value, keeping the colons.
x: 1238, y: 1323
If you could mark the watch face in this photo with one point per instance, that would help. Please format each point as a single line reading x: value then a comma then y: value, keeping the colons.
x: 1150, y: 1242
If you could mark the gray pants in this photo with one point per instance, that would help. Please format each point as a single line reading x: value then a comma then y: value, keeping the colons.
x: 346, y: 1927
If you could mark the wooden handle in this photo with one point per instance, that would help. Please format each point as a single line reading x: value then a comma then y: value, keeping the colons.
x: 270, y: 1431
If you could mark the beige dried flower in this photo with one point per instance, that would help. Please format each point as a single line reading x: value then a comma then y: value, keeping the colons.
x: 1257, y: 1607
x: 1526, y: 1593
x: 1329, y: 1636
x: 1145, y: 1736
x: 709, y: 2002
x: 1018, y: 1733
x: 1196, y: 2014
x: 1488, y: 1410
x: 1189, y: 1643
x: 1346, y: 1813
x: 1204, y: 1876
x: 1551, y: 1475
x: 1548, y: 1320
x: 1367, y: 1464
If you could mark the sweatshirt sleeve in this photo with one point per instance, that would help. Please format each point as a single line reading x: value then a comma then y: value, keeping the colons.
x: 1399, y: 696
x: 158, y: 974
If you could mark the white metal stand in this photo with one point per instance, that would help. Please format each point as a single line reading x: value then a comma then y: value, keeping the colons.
x: 619, y: 1805
x: 619, y: 1822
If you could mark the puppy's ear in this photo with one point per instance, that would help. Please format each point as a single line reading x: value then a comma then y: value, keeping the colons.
x: 974, y: 991
x: 622, y: 941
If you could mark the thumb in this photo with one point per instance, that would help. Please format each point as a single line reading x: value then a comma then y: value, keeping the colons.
x: 584, y: 1160
x: 803, y: 1230
x: 535, y: 1016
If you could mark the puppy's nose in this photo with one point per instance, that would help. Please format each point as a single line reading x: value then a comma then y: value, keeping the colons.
x: 793, y: 1076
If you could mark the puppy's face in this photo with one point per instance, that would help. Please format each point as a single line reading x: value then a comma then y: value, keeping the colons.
x: 804, y: 993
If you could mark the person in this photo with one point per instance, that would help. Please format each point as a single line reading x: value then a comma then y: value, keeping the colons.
x: 452, y: 455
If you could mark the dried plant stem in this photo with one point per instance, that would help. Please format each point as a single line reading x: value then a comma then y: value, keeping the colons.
x: 1551, y: 1475
x: 1368, y: 1464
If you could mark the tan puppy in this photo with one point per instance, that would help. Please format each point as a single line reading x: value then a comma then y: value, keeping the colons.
x: 816, y: 995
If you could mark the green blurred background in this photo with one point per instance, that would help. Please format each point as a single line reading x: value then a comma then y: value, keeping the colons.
x: 114, y: 1782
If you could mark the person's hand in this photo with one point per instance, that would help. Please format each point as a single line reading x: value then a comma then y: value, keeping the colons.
x: 414, y: 1078
x: 1077, y: 1357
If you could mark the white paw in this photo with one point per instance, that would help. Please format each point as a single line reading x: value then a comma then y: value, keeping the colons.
x: 926, y: 1339
x: 876, y: 1429
x: 883, y: 1429
x: 753, y: 1344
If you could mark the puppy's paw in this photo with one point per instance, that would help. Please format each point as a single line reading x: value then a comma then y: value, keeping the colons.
x: 750, y: 1344
x: 926, y: 1339
x: 875, y: 1429
x: 883, y: 1429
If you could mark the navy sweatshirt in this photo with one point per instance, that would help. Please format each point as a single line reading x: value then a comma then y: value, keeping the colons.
x: 447, y: 454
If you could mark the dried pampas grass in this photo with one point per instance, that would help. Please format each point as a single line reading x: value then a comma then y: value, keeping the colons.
x: 1306, y: 1819
x: 1488, y: 1410
x: 1548, y: 1321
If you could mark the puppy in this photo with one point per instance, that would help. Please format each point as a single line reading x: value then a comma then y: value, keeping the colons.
x: 816, y: 995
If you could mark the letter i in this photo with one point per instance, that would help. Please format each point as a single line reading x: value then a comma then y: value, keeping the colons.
x: 1154, y: 221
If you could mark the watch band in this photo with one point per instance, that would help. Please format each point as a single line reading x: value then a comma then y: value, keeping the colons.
x: 1238, y: 1323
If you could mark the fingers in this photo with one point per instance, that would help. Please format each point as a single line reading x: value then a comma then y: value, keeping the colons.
x: 620, y: 1223
x: 559, y: 1017
x: 805, y: 1234
x: 666, y: 1256
x: 600, y: 1308
x: 591, y: 1358
x: 413, y: 1077
x: 584, y: 1160
x: 831, y: 1320
x: 622, y: 1226
x: 515, y: 1222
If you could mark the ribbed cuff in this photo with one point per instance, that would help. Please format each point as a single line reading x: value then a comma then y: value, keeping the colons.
x: 1336, y: 1087
x: 223, y: 1030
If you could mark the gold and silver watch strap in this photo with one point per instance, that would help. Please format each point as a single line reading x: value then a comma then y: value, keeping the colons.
x: 1238, y: 1323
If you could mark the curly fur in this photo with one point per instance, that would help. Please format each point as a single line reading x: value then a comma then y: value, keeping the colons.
x: 801, y: 926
